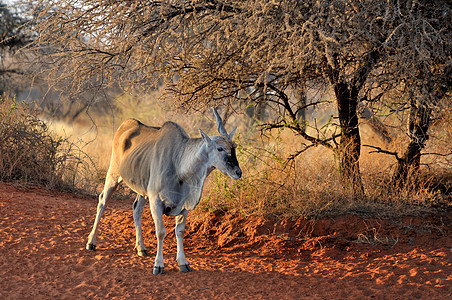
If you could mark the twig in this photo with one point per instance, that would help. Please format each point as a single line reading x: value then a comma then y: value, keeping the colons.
x: 294, y: 155
x: 439, y: 154
x: 379, y: 150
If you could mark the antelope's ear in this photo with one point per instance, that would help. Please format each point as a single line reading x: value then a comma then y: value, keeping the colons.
x: 231, y: 135
x: 205, y: 137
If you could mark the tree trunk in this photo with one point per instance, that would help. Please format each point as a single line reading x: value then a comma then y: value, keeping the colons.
x: 408, y: 165
x: 350, y: 144
x: 300, y: 96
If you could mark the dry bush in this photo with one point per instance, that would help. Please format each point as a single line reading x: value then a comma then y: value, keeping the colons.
x: 309, y: 186
x: 30, y: 153
x: 272, y: 185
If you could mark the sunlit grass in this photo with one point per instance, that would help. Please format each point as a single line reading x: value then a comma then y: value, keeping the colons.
x: 307, y: 186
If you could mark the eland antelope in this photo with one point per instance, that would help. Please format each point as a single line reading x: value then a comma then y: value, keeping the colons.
x: 169, y: 168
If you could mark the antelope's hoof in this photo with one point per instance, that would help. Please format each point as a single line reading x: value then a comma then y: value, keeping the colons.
x: 91, y: 247
x: 158, y: 270
x: 143, y: 253
x: 185, y: 268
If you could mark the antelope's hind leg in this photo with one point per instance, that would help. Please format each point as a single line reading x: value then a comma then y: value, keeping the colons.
x: 180, y: 230
x: 111, y: 183
x: 138, y: 206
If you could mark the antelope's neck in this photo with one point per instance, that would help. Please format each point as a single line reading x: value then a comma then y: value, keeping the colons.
x: 194, y: 159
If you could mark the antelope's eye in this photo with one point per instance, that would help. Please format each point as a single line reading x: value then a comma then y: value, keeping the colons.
x: 220, y: 149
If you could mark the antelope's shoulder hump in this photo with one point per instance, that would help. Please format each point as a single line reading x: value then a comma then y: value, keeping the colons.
x: 174, y: 130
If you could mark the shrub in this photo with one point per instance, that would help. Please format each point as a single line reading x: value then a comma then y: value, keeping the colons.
x: 31, y: 153
x: 309, y: 186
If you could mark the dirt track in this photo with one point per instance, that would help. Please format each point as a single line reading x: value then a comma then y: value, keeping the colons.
x: 42, y: 238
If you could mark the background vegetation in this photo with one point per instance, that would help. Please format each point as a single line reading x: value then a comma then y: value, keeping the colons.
x: 340, y: 105
x: 76, y: 156
x: 374, y: 54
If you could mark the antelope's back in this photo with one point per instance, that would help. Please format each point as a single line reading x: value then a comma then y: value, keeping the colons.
x: 143, y: 152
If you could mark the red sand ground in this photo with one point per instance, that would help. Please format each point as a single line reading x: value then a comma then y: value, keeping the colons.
x: 43, y: 234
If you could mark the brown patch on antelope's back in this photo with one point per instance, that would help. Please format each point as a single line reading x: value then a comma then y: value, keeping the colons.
x: 128, y: 140
x: 128, y: 124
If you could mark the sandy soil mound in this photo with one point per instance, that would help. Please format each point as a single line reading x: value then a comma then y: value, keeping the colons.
x: 42, y: 239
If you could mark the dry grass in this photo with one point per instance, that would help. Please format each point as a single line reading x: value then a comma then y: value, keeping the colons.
x: 308, y: 186
x: 373, y: 237
x: 311, y: 189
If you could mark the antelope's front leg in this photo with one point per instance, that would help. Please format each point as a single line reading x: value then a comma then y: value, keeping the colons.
x: 160, y: 231
x: 180, y: 229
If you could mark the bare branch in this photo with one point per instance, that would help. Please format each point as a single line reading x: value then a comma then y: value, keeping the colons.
x: 380, y: 150
x: 438, y: 154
